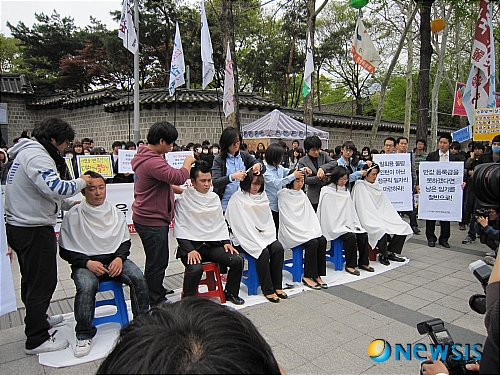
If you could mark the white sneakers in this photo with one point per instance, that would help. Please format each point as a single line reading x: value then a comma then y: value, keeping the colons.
x: 51, y: 345
x: 82, y: 348
x: 55, y: 320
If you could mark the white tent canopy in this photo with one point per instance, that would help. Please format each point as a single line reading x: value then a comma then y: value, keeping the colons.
x: 276, y: 124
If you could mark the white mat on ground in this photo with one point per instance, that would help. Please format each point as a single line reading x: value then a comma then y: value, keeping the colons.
x: 107, y: 333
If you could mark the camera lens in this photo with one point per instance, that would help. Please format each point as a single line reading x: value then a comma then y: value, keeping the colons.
x: 486, y: 183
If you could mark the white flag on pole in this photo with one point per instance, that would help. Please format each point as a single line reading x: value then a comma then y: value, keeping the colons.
x: 208, y: 69
x: 126, y: 31
x: 228, y: 84
x: 363, y: 51
x: 177, y: 67
x: 480, y: 88
x: 306, y: 84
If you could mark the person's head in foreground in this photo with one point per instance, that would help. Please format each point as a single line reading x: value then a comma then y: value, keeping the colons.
x: 193, y: 336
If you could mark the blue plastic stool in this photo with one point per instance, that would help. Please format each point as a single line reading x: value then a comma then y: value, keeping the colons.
x: 118, y: 300
x: 249, y: 277
x: 295, y: 265
x: 336, y: 254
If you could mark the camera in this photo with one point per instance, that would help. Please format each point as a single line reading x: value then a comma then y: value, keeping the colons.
x: 482, y: 272
x: 440, y: 336
x: 482, y: 212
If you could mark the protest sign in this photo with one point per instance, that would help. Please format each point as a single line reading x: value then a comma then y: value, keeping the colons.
x: 98, y: 163
x: 7, y: 295
x: 124, y: 159
x: 486, y: 123
x: 441, y: 191
x: 176, y: 160
x: 462, y: 135
x: 395, y: 179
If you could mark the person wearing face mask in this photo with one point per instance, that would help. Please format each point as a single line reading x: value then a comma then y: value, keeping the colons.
x: 197, y: 150
x: 207, y: 156
x: 365, y: 154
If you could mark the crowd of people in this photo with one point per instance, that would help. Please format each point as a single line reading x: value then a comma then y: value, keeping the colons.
x: 255, y: 204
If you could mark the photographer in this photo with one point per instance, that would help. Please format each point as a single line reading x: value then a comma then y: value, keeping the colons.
x: 488, y: 230
x: 490, y: 362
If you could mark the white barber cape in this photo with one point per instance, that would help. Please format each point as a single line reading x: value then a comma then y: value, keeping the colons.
x: 336, y: 212
x: 298, y: 221
x: 376, y: 213
x: 93, y: 230
x: 198, y: 217
x: 251, y: 222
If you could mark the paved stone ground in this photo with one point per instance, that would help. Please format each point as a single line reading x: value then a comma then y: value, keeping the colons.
x: 328, y: 331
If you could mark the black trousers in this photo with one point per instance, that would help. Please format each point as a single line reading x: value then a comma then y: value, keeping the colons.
x: 276, y: 219
x: 395, y: 245
x: 430, y: 226
x: 412, y: 215
x: 270, y: 268
x: 36, y: 251
x: 315, y: 257
x: 215, y: 254
x: 353, y: 244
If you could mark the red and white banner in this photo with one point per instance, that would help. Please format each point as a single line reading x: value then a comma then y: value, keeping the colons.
x: 363, y: 50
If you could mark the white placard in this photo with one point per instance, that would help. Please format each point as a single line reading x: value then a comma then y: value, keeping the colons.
x: 176, y: 160
x: 441, y: 191
x: 7, y: 295
x: 395, y: 179
x: 124, y: 159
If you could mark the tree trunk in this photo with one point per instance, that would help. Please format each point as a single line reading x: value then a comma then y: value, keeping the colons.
x: 318, y: 85
x: 437, y: 83
x: 383, y: 87
x: 409, y: 78
x: 227, y: 27
x: 425, y: 65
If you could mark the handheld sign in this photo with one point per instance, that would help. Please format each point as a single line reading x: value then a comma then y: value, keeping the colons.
x: 124, y: 159
x: 98, y: 163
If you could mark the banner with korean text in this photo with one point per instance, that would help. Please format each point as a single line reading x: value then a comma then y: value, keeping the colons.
x: 395, y: 179
x: 124, y: 159
x: 441, y: 191
x: 101, y: 164
x: 486, y: 123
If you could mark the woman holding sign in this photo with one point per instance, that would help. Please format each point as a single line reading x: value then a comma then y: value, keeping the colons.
x: 379, y: 218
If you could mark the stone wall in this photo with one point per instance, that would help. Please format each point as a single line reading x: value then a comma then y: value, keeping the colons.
x: 195, y: 123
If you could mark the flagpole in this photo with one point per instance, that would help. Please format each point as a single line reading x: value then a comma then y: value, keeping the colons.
x: 137, y: 131
x: 175, y: 107
x: 218, y: 105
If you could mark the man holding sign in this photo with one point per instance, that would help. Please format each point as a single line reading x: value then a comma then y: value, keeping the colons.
x: 442, y: 155
x: 153, y: 207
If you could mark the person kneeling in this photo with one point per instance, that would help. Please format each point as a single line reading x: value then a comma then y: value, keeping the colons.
x: 94, y: 239
x: 202, y: 234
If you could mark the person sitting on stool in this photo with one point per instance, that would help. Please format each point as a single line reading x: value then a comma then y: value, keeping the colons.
x: 202, y: 234
x: 95, y: 240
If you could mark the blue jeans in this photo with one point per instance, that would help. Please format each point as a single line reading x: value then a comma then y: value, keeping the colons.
x: 155, y: 243
x: 87, y: 282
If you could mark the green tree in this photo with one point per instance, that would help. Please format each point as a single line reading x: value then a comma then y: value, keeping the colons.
x: 10, y: 55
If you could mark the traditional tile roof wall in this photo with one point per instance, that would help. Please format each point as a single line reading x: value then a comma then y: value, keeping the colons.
x: 150, y: 98
x: 15, y: 84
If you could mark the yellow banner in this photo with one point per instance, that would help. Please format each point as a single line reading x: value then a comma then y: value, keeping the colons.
x: 98, y: 163
x: 486, y: 123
